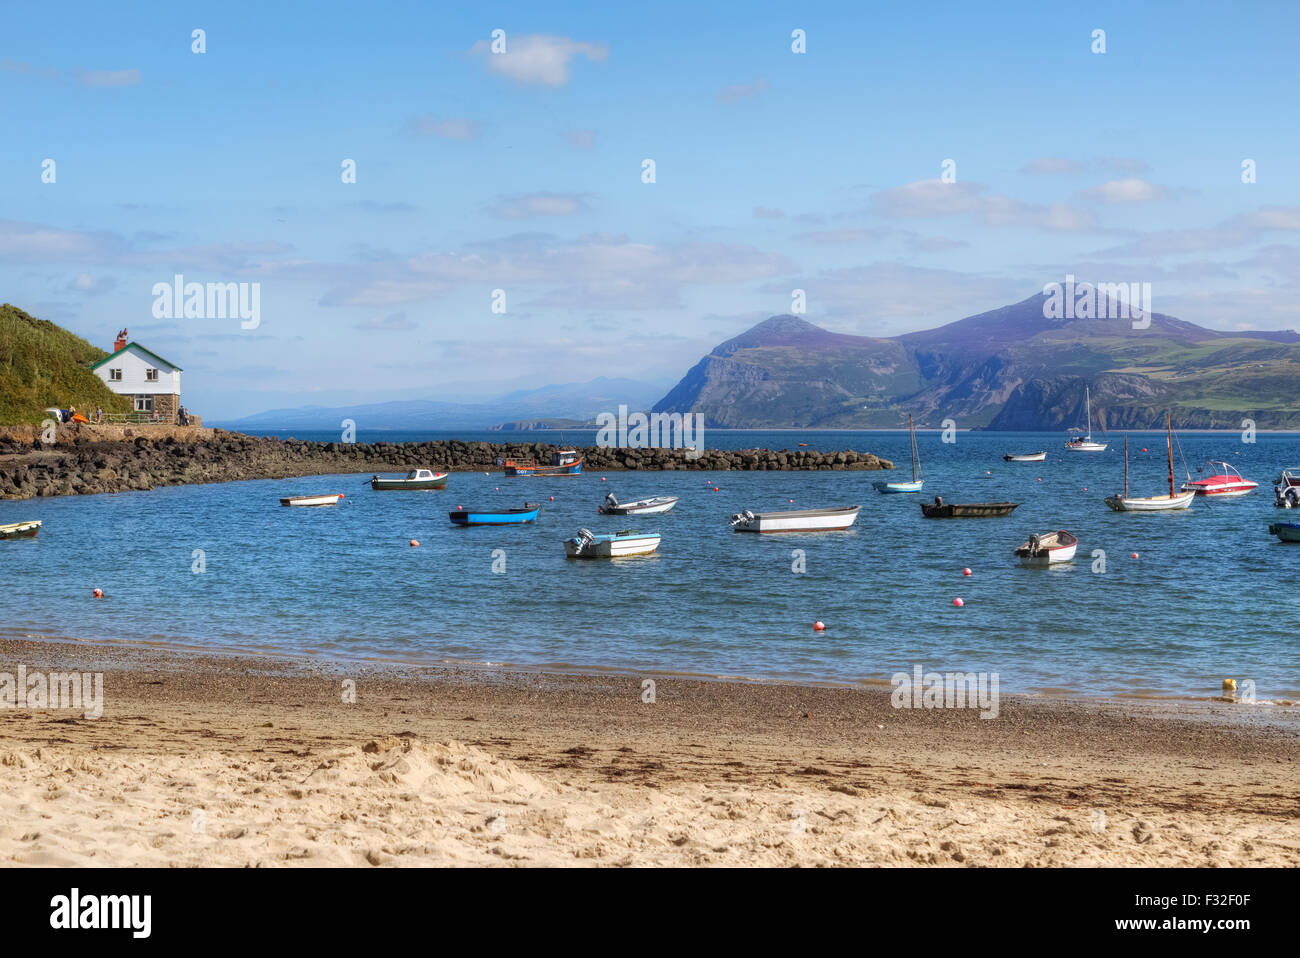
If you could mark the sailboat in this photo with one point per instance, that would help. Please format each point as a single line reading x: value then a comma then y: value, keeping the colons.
x: 1175, y: 500
x: 884, y: 485
x: 1084, y: 443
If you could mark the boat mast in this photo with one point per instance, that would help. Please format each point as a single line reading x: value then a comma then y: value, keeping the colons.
x: 1125, y: 465
x: 912, y: 434
x: 1169, y: 443
x: 1087, y: 412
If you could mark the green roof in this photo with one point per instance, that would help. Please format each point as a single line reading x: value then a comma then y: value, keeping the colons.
x: 143, y: 350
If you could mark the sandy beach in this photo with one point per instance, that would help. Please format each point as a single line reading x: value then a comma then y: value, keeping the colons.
x: 204, y: 760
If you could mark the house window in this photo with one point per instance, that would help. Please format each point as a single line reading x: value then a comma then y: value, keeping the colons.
x: 151, y: 375
x: 115, y: 375
x: 144, y: 404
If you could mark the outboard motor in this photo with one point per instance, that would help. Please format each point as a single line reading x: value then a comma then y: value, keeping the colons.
x: 585, y: 538
x: 610, y: 501
x: 740, y: 517
x: 1034, y: 543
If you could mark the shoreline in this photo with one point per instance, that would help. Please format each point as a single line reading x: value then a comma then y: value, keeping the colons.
x: 495, y: 766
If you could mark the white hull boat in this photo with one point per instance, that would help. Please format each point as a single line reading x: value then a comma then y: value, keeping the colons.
x: 799, y: 520
x: 641, y: 507
x: 1084, y: 443
x: 1047, y: 548
x: 902, y: 485
x: 587, y: 545
x: 1028, y: 457
x: 1175, y: 500
x: 330, y: 500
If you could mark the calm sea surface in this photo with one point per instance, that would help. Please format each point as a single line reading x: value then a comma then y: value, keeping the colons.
x: 1211, y: 594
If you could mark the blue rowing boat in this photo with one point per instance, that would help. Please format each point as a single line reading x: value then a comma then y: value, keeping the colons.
x: 496, y: 517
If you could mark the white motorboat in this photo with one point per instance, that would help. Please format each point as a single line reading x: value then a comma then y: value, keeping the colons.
x: 1174, y: 500
x: 1027, y: 457
x: 1084, y: 443
x: 330, y: 500
x: 641, y: 507
x: 1048, y: 547
x: 587, y: 545
x: 799, y: 520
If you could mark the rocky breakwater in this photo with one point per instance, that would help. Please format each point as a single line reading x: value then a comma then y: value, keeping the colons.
x: 85, y: 466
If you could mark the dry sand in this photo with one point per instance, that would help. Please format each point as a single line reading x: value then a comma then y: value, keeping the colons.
x: 201, y: 760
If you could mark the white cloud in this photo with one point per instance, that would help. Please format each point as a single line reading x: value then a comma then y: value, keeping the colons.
x: 529, y: 205
x: 1126, y: 191
x: 742, y: 91
x: 456, y: 128
x: 109, y: 78
x: 1046, y: 165
x: 392, y: 323
x: 934, y: 198
x: 767, y: 213
x: 840, y: 237
x: 539, y: 59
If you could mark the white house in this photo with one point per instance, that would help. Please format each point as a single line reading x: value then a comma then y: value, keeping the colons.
x: 153, y: 382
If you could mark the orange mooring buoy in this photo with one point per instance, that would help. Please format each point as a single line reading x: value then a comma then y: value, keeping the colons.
x: 98, y: 593
x: 819, y: 626
x: 415, y: 543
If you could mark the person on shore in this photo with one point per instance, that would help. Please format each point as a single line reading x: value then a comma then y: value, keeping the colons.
x: 99, y: 415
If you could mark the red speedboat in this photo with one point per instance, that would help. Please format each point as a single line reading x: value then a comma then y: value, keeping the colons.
x: 1219, y: 479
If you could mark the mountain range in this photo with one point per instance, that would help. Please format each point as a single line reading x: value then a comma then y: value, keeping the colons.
x: 1009, y: 368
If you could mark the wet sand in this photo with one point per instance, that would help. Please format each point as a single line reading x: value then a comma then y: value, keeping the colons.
x: 218, y: 760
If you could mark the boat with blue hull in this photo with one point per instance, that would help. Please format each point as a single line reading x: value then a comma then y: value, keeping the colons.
x: 495, y: 517
x: 903, y: 485
x: 1286, y: 531
x: 564, y: 462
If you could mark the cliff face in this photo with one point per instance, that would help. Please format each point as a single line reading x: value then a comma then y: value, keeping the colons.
x: 1008, y: 368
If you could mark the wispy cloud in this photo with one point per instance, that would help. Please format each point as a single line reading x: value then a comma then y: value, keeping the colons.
x: 109, y: 78
x: 840, y: 237
x: 1046, y: 165
x: 742, y: 91
x: 538, y: 59
x: 1127, y: 191
x: 934, y: 198
x: 530, y: 205
x: 767, y: 213
x: 392, y: 323
x: 457, y: 128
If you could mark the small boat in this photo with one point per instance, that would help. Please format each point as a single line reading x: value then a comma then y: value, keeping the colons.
x: 588, y: 545
x: 1048, y: 548
x: 1286, y: 531
x: 564, y: 462
x: 1084, y: 443
x: 1286, y: 489
x: 966, y: 510
x: 415, y: 479
x: 21, y: 530
x: 1222, y: 481
x: 1175, y: 500
x: 884, y: 485
x: 798, y: 520
x: 495, y: 517
x: 329, y: 500
x: 1026, y: 457
x: 641, y: 507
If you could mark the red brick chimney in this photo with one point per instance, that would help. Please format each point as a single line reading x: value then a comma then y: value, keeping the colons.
x: 121, y: 341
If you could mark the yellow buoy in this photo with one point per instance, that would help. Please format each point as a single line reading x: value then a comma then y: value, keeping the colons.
x: 1229, y: 686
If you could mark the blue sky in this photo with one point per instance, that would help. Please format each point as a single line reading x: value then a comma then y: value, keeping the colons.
x: 522, y: 172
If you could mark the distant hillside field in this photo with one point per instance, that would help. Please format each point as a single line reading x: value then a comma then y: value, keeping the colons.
x: 43, y: 365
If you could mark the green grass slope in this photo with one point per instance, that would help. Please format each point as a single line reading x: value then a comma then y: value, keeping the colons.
x: 43, y: 365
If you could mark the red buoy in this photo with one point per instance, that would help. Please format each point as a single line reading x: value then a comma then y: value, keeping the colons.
x: 965, y: 572
x: 415, y: 543
x: 98, y: 593
x: 819, y: 626
x: 958, y: 602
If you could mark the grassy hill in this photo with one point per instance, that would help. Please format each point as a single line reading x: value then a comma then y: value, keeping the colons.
x: 43, y: 365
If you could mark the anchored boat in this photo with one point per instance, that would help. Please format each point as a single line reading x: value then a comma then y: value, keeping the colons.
x: 1175, y: 500
x: 564, y: 462
x: 799, y: 520
x: 415, y: 479
x: 1286, y: 531
x: 965, y: 510
x: 495, y: 517
x: 1084, y: 443
x: 884, y: 485
x: 587, y: 545
x: 1048, y: 547
x: 641, y: 507
x: 330, y: 500
x: 1223, y: 480
x: 1027, y: 457
x: 20, y: 530
x: 1286, y: 489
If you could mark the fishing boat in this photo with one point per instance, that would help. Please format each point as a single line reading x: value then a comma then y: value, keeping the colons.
x: 588, y: 545
x: 415, y: 479
x: 1221, y: 480
x: 495, y: 517
x: 1286, y: 489
x: 564, y: 462
x: 1026, y: 457
x: 1286, y: 531
x: 883, y: 485
x: 965, y: 510
x: 1048, y: 547
x: 798, y: 520
x: 20, y: 530
x: 1084, y: 443
x: 1175, y: 500
x: 641, y: 507
x: 330, y: 500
